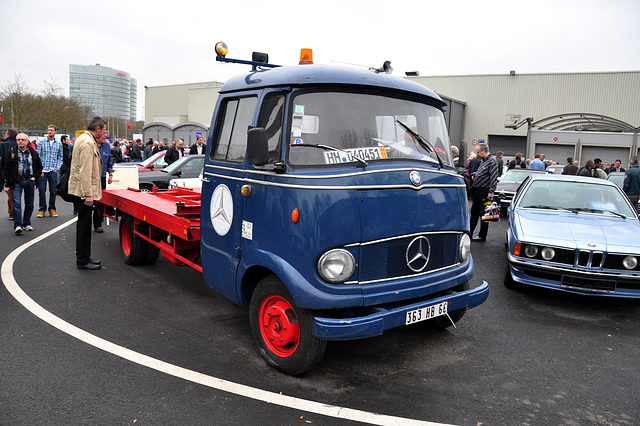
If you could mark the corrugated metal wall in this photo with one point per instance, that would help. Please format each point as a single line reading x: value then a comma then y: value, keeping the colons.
x: 489, y: 98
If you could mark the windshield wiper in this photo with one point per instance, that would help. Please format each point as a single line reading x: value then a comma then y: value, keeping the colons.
x: 582, y: 209
x: 329, y: 148
x: 422, y: 141
x: 545, y: 207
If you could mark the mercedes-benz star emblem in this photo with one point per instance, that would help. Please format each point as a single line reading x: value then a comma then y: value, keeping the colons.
x: 221, y: 210
x: 418, y: 252
x: 415, y: 178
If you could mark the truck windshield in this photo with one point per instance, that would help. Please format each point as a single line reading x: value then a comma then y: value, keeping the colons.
x: 367, y: 127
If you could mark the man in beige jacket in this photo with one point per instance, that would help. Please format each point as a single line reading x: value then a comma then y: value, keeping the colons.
x: 85, y: 182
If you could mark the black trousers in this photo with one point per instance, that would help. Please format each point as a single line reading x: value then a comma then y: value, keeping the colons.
x: 98, y: 212
x: 477, y: 195
x: 83, y: 234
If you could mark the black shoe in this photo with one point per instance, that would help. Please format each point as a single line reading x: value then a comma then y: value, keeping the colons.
x: 94, y: 262
x: 479, y: 239
x: 90, y: 266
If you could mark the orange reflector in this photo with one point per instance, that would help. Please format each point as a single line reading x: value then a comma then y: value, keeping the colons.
x: 516, y: 249
x: 306, y: 56
x: 295, y: 215
x: 245, y: 190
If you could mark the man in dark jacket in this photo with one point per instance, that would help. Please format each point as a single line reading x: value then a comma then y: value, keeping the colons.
x: 22, y: 166
x: 135, y: 152
x: 199, y: 148
x: 484, y: 186
x: 587, y: 169
x: 8, y: 143
x: 570, y: 168
x: 175, y: 152
x: 518, y: 162
x: 631, y: 185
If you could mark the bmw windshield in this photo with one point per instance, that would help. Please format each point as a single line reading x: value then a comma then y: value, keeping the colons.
x: 366, y: 127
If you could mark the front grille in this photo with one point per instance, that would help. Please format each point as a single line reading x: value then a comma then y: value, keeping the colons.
x: 590, y: 259
x: 387, y: 259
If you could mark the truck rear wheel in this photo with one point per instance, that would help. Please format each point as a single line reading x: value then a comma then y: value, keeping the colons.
x: 282, y: 331
x: 133, y: 247
x: 446, y: 321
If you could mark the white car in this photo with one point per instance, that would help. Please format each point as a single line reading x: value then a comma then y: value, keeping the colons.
x: 186, y: 182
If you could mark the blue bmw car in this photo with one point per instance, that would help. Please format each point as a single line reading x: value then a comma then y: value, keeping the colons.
x: 574, y: 234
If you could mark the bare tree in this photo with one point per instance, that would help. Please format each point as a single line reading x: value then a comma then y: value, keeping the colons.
x: 37, y: 111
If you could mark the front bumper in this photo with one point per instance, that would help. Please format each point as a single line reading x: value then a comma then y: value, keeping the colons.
x: 385, y: 319
x: 626, y: 285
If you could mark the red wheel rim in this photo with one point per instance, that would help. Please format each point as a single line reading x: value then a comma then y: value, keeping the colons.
x: 279, y: 326
x: 125, y: 238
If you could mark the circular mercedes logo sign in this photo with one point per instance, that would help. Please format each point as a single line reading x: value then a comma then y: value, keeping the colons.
x: 221, y: 210
x: 415, y: 178
x: 417, y: 255
x: 591, y: 244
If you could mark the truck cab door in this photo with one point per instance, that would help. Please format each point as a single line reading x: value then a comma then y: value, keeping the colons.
x: 222, y: 201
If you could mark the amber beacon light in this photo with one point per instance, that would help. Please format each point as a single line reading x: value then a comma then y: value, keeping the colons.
x: 306, y: 56
x: 221, y: 48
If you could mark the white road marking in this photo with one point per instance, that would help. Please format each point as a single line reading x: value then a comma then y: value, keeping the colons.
x: 213, y: 382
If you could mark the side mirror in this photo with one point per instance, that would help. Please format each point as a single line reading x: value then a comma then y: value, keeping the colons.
x: 257, y: 146
x: 462, y: 154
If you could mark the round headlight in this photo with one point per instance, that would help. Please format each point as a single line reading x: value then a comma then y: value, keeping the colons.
x: 336, y: 266
x: 630, y: 262
x: 548, y: 253
x: 531, y: 251
x: 465, y: 247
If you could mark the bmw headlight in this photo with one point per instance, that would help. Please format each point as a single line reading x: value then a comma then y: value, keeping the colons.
x: 548, y: 253
x: 465, y: 247
x: 630, y: 262
x: 336, y: 266
x: 530, y: 250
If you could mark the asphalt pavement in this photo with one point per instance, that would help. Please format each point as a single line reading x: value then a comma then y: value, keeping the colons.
x: 155, y: 345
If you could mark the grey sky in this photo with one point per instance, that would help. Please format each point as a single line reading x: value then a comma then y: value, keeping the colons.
x: 162, y: 43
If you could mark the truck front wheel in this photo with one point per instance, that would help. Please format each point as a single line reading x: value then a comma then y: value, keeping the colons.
x: 281, y: 330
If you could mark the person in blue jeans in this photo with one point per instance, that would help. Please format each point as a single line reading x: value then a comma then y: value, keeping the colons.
x: 51, y: 155
x: 21, y: 169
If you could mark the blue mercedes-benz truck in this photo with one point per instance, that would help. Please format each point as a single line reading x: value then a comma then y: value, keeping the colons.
x: 331, y: 206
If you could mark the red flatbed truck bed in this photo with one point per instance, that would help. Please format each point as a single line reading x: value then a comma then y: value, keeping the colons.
x: 154, y: 222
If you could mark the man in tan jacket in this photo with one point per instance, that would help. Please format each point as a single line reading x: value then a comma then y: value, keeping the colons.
x: 85, y: 182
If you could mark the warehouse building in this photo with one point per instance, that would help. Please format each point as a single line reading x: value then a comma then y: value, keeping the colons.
x: 579, y: 115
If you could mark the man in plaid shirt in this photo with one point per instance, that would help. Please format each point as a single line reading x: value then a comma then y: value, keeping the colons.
x: 50, y: 152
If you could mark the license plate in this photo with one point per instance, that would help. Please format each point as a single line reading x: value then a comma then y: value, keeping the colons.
x: 426, y: 313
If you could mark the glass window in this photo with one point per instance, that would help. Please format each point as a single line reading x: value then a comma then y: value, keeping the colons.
x: 231, y: 139
x: 370, y: 127
x: 271, y: 119
x: 577, y: 197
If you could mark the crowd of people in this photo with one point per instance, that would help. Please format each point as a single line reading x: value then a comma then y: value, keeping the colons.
x: 483, y: 170
x: 124, y: 151
x: 27, y: 165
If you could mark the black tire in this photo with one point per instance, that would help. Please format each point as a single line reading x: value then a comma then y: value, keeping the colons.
x: 146, y: 188
x: 133, y: 248
x: 152, y: 253
x: 446, y: 321
x: 281, y: 330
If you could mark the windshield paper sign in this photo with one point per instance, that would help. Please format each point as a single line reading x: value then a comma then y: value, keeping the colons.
x: 350, y: 155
